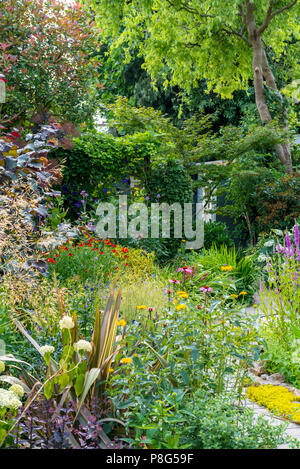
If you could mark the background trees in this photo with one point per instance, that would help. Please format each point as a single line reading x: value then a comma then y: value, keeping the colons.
x: 183, y: 42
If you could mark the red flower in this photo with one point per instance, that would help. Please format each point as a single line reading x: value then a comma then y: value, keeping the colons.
x: 50, y: 260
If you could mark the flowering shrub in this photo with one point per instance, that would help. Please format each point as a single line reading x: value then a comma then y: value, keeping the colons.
x: 47, y: 72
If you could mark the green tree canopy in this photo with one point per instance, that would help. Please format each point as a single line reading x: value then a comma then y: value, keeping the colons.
x: 226, y: 43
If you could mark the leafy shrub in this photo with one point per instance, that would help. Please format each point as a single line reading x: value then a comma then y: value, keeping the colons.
x: 165, y: 183
x: 279, y: 203
x: 40, y: 80
x: 216, y: 233
x: 282, y: 357
x: 100, y: 161
x: 217, y: 423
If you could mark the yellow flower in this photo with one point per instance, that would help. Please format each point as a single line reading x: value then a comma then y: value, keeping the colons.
x: 121, y: 323
x: 175, y: 302
x: 226, y: 268
x: 142, y: 307
x: 277, y: 399
x: 180, y: 307
x: 182, y: 294
x: 135, y: 355
x: 255, y: 305
x: 126, y: 360
x: 243, y: 293
x: 110, y: 370
x: 234, y: 296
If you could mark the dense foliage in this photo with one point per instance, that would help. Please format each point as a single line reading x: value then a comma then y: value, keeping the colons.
x: 47, y: 58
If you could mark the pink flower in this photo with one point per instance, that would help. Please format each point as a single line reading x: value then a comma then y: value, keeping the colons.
x: 186, y: 270
x: 206, y: 289
x: 174, y: 281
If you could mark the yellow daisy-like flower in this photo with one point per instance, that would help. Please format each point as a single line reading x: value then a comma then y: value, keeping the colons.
x: 175, y: 302
x: 135, y: 355
x: 110, y: 370
x: 142, y: 307
x: 180, y: 307
x: 226, y: 268
x: 126, y: 360
x: 121, y: 323
x: 182, y: 294
x: 183, y: 241
x: 234, y: 296
x: 243, y: 293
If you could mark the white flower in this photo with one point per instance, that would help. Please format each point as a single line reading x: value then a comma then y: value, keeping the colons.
x: 82, y: 345
x: 269, y: 243
x: 66, y: 323
x: 277, y: 232
x: 262, y: 258
x: 17, y: 389
x: 46, y: 349
x: 9, y: 400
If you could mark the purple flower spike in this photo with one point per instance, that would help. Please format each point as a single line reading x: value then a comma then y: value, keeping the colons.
x: 297, y: 236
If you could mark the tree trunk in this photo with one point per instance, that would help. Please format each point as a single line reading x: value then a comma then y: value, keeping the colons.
x: 261, y: 71
x: 284, y: 149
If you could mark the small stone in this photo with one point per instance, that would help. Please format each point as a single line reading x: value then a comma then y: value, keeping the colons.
x: 258, y: 369
x: 278, y: 377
